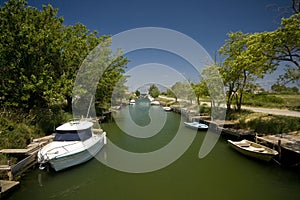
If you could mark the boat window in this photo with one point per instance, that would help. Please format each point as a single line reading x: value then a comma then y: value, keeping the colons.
x: 73, y: 135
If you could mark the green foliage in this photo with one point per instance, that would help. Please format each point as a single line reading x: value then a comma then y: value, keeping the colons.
x: 39, y: 60
x: 263, y: 100
x: 47, y: 119
x: 182, y: 90
x: 111, y: 89
x: 154, y: 91
x: 284, y: 47
x: 282, y: 89
x: 274, y: 124
x: 200, y: 90
x: 29, y: 54
x: 39, y: 56
x: 15, y: 134
x: 170, y: 93
x: 244, y: 61
x: 263, y: 123
x: 137, y: 93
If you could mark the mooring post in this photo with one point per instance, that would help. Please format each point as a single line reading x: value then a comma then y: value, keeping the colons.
x: 279, y: 149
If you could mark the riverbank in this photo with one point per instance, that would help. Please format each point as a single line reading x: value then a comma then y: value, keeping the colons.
x: 285, y: 141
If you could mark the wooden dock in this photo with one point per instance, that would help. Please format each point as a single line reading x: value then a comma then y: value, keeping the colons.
x: 28, y: 155
x: 288, y: 146
x: 29, y: 159
x: 288, y: 141
x: 6, y: 187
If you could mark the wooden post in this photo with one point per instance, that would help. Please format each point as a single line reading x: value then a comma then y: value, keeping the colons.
x: 255, y: 137
x: 279, y: 149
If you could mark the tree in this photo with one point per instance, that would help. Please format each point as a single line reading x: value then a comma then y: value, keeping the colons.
x: 137, y: 93
x: 244, y: 61
x: 77, y: 43
x: 183, y: 90
x: 30, y: 51
x: 282, y: 89
x: 40, y: 57
x: 284, y: 48
x: 170, y: 93
x: 154, y: 91
x: 200, y: 90
x: 111, y: 85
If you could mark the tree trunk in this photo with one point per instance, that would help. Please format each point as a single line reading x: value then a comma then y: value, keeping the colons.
x: 69, y: 103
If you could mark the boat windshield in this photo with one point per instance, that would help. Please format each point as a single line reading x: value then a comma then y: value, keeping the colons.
x: 73, y: 135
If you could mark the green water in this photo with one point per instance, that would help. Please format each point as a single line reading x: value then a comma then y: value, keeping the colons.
x: 223, y: 174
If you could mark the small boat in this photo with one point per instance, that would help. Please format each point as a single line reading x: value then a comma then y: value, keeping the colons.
x: 155, y: 103
x: 167, y: 108
x: 74, y: 142
x: 132, y: 102
x: 196, y: 125
x: 253, y: 149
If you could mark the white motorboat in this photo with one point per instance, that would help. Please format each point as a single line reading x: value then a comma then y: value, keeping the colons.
x: 75, y: 142
x: 196, y: 125
x: 155, y: 103
x: 166, y: 108
x: 132, y: 102
x: 253, y: 149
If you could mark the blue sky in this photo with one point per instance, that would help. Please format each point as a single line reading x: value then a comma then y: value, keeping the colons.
x: 205, y: 21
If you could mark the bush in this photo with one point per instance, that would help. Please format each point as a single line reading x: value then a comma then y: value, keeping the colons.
x: 48, y: 119
x: 263, y: 100
x: 15, y: 135
x: 274, y: 124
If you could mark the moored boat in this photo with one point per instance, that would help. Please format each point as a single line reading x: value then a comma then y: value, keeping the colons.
x: 196, y: 125
x: 253, y: 149
x: 155, y: 103
x: 74, y: 143
x: 166, y: 108
x: 132, y: 102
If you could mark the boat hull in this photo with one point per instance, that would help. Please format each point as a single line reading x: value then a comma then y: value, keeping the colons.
x: 196, y: 126
x: 78, y: 158
x: 255, y: 151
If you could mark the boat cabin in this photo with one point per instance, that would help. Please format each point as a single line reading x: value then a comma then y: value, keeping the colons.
x: 74, y: 131
x: 80, y: 135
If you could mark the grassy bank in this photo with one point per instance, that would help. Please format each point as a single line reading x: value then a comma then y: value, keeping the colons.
x: 266, y: 100
x: 263, y: 123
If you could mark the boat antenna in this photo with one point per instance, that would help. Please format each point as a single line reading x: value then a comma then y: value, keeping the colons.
x: 87, y: 114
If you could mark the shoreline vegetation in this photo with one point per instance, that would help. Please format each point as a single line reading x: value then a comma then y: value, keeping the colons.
x: 261, y: 123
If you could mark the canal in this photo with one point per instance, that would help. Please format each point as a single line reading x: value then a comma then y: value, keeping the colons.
x: 222, y: 174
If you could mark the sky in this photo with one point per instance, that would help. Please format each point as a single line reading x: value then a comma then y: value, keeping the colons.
x: 205, y: 21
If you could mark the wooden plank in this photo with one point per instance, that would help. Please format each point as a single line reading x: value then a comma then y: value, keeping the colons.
x: 24, y: 164
x: 5, y: 167
x: 287, y: 143
x: 11, y: 151
x: 6, y: 186
x: 43, y: 139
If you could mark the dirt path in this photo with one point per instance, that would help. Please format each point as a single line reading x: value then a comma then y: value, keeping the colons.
x: 274, y: 111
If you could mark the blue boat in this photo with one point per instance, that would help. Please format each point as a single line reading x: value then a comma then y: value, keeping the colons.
x: 196, y: 125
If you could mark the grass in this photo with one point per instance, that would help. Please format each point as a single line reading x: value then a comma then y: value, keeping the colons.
x: 292, y: 102
x: 266, y: 100
x: 263, y: 123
